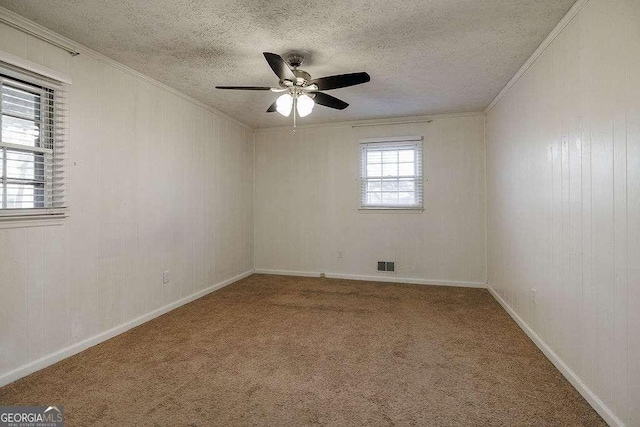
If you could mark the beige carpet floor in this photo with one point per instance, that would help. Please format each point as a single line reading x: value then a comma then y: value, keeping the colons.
x: 273, y: 350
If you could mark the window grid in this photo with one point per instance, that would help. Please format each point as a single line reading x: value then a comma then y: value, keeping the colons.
x: 391, y: 174
x: 26, y: 145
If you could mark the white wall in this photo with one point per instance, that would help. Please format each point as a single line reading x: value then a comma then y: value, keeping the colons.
x: 307, y: 199
x: 563, y: 197
x: 156, y: 182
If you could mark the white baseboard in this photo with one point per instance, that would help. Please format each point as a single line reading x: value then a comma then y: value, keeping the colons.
x: 287, y: 273
x: 392, y: 279
x: 582, y: 388
x: 76, y: 348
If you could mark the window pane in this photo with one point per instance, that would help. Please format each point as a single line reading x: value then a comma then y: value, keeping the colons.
x: 374, y: 198
x: 406, y: 185
x: 406, y: 156
x: 20, y: 102
x: 24, y: 196
x: 390, y: 156
x: 390, y: 169
x: 406, y: 169
x: 374, y: 170
x: 407, y: 198
x: 390, y: 198
x: 22, y: 165
x: 20, y: 131
x: 390, y: 185
x: 374, y: 156
x: 374, y: 185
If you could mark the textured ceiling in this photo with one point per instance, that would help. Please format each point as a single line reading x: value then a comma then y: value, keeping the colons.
x: 424, y: 56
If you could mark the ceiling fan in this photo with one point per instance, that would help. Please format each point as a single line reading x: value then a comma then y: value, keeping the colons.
x: 300, y: 90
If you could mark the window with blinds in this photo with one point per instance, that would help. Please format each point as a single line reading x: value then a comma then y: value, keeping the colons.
x: 391, y: 173
x: 32, y: 119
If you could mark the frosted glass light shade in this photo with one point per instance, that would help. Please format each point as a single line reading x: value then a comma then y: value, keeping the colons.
x: 304, y: 105
x: 284, y: 104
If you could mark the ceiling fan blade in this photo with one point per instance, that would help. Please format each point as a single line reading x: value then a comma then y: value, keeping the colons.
x: 273, y: 106
x: 341, y: 80
x: 329, y: 101
x: 244, y: 87
x: 279, y: 66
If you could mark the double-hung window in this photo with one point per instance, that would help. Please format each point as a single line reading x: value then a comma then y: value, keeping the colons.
x: 32, y: 119
x: 391, y: 173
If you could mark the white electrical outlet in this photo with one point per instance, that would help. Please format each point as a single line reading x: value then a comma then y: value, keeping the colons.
x: 534, y: 296
x: 165, y: 276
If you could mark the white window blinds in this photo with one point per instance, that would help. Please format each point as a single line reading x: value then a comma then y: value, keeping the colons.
x: 33, y: 121
x: 391, y: 173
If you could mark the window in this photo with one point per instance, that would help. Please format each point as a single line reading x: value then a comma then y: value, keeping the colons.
x: 391, y: 173
x: 31, y: 145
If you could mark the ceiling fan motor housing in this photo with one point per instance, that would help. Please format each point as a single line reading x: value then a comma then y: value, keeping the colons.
x: 295, y: 59
x: 302, y: 77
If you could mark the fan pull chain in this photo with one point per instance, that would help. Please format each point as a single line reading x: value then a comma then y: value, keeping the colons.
x: 295, y: 107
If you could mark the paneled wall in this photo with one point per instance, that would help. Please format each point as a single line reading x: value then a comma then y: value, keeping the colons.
x: 563, y: 201
x: 307, y: 199
x: 156, y: 183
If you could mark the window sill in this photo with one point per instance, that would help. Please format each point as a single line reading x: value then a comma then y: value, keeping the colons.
x: 390, y: 210
x: 25, y: 221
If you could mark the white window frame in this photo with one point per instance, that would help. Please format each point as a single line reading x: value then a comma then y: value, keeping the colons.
x: 53, y: 197
x: 391, y: 143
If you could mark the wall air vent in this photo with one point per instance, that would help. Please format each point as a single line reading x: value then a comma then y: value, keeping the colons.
x: 386, y: 266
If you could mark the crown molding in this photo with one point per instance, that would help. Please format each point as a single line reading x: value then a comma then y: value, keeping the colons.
x: 568, y: 17
x: 21, y: 23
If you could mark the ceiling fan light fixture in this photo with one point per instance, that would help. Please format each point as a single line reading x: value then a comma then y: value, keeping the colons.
x: 304, y: 105
x: 300, y: 90
x: 284, y: 104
